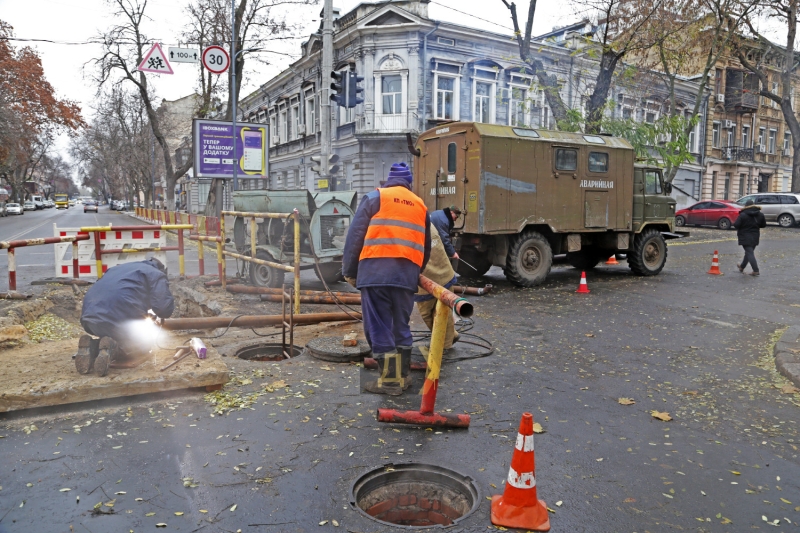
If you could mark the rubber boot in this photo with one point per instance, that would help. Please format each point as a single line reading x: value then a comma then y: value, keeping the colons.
x: 405, y: 365
x: 108, y: 348
x: 87, y: 353
x: 390, y: 381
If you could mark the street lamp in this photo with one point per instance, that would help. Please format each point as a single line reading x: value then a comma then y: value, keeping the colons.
x: 233, y: 97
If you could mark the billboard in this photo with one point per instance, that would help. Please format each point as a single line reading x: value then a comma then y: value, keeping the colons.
x: 212, y: 141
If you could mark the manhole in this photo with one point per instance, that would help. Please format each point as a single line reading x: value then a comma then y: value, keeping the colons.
x: 415, y: 496
x: 331, y: 349
x: 263, y: 352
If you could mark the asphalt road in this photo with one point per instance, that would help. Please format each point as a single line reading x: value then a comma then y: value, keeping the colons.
x: 694, y: 346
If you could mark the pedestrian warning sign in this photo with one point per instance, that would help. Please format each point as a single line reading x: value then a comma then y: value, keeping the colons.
x: 155, y: 61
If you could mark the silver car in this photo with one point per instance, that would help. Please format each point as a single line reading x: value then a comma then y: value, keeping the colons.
x: 783, y: 208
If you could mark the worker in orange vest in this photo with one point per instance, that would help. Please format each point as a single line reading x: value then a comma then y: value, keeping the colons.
x: 387, y: 246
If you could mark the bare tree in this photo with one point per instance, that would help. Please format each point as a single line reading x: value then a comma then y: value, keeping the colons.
x: 761, y: 56
x: 123, y: 49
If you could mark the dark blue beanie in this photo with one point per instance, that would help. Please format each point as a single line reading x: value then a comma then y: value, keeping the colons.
x: 400, y: 170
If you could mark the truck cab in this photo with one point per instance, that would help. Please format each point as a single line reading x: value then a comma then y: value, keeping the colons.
x: 652, y: 204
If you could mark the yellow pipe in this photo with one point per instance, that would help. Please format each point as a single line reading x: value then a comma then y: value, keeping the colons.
x: 256, y: 215
x: 95, y: 228
x: 91, y: 229
x: 437, y: 345
x: 258, y: 261
x: 253, y: 232
x: 296, y: 215
x: 220, y: 263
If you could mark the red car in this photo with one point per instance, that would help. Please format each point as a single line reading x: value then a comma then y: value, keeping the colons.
x: 719, y: 213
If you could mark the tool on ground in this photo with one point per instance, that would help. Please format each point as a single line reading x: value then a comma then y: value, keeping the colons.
x: 179, y: 356
x: 198, y: 346
x: 519, y: 506
x: 612, y: 260
x: 472, y: 267
x: 715, y: 265
x: 583, y: 288
x: 426, y: 415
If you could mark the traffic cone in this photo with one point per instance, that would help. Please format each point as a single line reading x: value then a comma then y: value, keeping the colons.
x: 583, y: 288
x: 519, y: 507
x: 612, y: 260
x: 715, y: 265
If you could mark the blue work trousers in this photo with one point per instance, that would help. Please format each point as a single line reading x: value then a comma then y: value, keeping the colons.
x: 386, y: 312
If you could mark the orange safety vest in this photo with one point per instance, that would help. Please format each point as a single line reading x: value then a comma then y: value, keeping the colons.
x: 398, y: 228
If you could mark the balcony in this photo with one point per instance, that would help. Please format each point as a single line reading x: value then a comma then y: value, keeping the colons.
x: 377, y: 123
x: 736, y: 153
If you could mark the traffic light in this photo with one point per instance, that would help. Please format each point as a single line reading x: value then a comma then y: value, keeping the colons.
x: 353, y: 90
x: 333, y: 168
x: 338, y: 88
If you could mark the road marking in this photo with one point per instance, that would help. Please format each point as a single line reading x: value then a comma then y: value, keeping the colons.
x: 14, y: 237
x: 717, y: 322
x: 42, y: 265
x: 701, y: 242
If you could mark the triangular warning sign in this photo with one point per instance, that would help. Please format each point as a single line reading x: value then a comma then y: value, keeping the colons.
x: 335, y: 211
x: 155, y: 61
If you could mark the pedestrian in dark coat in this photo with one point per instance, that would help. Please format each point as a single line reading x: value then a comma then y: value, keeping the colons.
x: 748, y: 225
x: 443, y: 220
x: 388, y: 245
x: 114, y: 308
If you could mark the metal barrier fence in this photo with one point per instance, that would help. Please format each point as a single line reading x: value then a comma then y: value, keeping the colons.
x: 201, y: 225
x: 11, y: 246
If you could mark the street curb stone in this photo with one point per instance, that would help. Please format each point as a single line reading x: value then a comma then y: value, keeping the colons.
x: 787, y: 354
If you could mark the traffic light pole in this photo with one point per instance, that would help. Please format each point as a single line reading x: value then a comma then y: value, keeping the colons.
x: 325, y: 99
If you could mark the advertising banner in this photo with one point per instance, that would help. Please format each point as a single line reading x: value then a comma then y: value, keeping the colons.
x: 213, y: 149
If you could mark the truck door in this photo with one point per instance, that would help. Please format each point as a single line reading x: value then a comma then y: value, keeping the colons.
x: 430, y: 172
x: 495, y: 184
x: 444, y: 182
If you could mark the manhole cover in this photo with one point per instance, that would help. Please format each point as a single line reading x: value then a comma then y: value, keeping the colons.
x: 263, y: 352
x: 331, y: 349
x: 415, y: 496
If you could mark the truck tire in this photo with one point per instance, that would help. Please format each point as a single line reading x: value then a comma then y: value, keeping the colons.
x: 649, y: 254
x: 479, y: 260
x: 329, y: 272
x: 587, y: 258
x: 264, y: 276
x: 529, y: 259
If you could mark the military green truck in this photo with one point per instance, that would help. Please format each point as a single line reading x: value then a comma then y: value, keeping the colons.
x: 530, y: 194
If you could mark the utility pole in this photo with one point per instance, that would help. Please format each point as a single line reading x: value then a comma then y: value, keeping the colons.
x: 325, y: 99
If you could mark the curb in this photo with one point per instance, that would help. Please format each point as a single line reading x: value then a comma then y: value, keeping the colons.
x: 787, y: 354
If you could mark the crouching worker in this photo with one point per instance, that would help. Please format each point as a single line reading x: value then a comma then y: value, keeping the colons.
x: 388, y: 244
x: 115, y: 309
x: 439, y: 270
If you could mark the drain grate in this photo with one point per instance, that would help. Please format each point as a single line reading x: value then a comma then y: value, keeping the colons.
x: 415, y: 495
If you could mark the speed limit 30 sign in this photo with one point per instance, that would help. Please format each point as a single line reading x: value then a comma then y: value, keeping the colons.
x: 216, y: 59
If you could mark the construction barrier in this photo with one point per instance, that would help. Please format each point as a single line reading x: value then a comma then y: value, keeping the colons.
x: 11, y: 246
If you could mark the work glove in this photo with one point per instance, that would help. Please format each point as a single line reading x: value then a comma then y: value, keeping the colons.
x: 351, y: 281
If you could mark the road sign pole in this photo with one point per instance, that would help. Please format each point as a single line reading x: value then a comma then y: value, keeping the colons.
x: 233, y: 93
x: 325, y: 94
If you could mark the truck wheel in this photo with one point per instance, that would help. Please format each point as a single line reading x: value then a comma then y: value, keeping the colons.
x: 529, y: 259
x: 264, y: 276
x: 479, y: 260
x: 329, y: 272
x: 586, y: 259
x: 649, y: 254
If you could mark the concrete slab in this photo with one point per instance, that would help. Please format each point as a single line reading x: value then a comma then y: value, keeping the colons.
x: 44, y: 374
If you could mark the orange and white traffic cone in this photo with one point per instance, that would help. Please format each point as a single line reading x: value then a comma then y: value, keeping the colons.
x: 519, y: 507
x: 715, y: 265
x: 583, y: 288
x: 612, y: 260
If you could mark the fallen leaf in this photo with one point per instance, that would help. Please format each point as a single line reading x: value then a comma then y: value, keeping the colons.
x: 65, y: 490
x: 789, y: 389
x: 179, y: 514
x: 537, y: 428
x: 335, y: 523
x: 323, y: 522
x: 726, y: 521
x: 784, y: 500
x: 559, y: 503
x: 203, y: 511
x: 279, y: 384
x: 661, y: 416
x: 629, y: 500
x: 626, y: 401
x: 234, y: 507
x: 735, y: 473
x: 691, y: 393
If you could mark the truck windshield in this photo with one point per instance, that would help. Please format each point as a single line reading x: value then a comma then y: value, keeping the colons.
x: 652, y: 180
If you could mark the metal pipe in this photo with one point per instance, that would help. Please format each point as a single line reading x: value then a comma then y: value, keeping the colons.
x: 98, y: 254
x: 471, y: 291
x: 258, y: 261
x: 181, y: 261
x: 257, y: 215
x: 37, y: 242
x: 217, y: 283
x: 12, y: 269
x: 249, y: 289
x: 313, y: 299
x: 296, y: 215
x: 205, y: 238
x: 253, y: 321
x: 108, y: 251
x: 221, y: 251
x: 201, y: 262
x: 461, y: 306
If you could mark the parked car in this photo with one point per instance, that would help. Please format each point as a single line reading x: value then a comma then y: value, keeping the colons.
x: 72, y: 203
x: 48, y: 204
x: 14, y: 209
x: 719, y: 213
x: 29, y: 206
x: 783, y: 208
x: 89, y: 205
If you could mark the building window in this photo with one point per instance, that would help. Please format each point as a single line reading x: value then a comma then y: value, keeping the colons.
x: 627, y: 113
x: 445, y: 98
x: 742, y: 181
x: 731, y: 136
x: 283, y: 124
x: 787, y: 143
x: 650, y: 117
x: 725, y: 191
x: 517, y: 110
x: 311, y: 112
x: 483, y: 102
x: 771, y: 146
x: 713, y: 185
x: 774, y: 91
x: 715, y: 135
x: 745, y: 136
x: 761, y: 133
x: 718, y: 81
x: 445, y: 40
x: 273, y: 130
x: 392, y: 93
x: 294, y: 122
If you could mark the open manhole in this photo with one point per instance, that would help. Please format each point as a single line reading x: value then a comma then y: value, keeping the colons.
x: 331, y: 349
x: 415, y: 496
x: 263, y: 352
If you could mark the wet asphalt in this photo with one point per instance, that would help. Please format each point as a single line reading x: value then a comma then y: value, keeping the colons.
x: 693, y: 346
